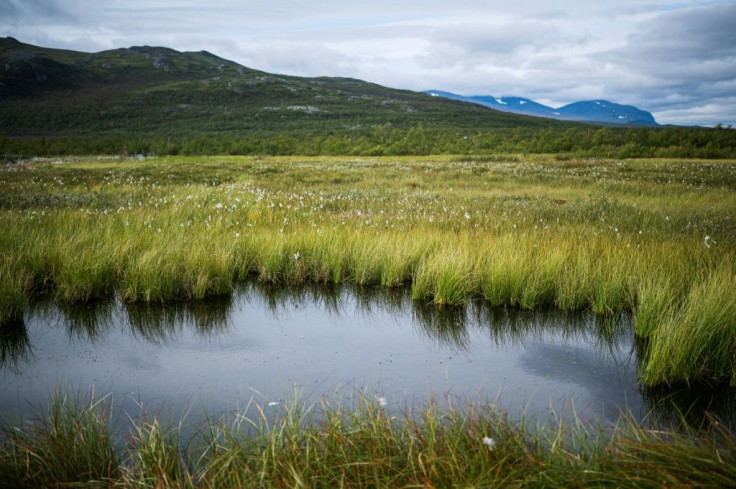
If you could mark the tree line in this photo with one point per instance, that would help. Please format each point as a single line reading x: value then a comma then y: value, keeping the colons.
x: 583, y: 141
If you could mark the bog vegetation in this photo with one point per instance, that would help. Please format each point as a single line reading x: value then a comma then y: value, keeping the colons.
x: 656, y: 237
x: 70, y: 443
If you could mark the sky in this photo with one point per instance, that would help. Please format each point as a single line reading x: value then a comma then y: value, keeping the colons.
x: 674, y: 58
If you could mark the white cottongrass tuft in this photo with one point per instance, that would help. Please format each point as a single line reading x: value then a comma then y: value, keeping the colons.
x: 382, y: 402
x: 489, y: 442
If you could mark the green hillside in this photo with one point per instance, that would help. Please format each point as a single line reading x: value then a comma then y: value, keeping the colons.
x: 154, y: 99
x: 143, y: 89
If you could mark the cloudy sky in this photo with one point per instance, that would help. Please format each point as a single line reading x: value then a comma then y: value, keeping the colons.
x: 675, y: 58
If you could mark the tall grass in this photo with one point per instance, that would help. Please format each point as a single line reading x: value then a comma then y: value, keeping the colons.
x: 648, y: 236
x: 698, y: 338
x: 522, y: 273
x: 184, y: 270
x: 13, y: 295
x: 465, y: 445
x: 66, y: 443
x: 447, y: 276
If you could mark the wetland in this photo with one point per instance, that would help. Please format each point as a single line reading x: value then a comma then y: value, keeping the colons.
x: 413, y: 299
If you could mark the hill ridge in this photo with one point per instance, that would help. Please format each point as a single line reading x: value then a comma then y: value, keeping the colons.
x: 144, y: 88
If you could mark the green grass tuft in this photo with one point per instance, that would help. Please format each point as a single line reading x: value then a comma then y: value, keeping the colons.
x: 465, y: 445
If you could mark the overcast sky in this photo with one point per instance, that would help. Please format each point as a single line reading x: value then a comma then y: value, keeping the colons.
x: 675, y: 58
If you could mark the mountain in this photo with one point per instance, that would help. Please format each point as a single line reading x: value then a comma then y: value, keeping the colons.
x: 159, y: 92
x: 595, y: 111
x: 156, y: 100
x: 605, y: 111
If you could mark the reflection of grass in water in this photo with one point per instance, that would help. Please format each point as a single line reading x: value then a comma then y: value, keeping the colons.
x: 89, y: 320
x: 15, y: 347
x: 155, y: 322
x: 695, y: 408
x: 515, y: 326
x: 159, y: 323
x: 447, y: 325
x: 277, y: 298
x: 70, y: 443
x: 652, y: 237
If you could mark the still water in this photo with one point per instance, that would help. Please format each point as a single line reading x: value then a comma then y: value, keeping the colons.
x: 269, y: 346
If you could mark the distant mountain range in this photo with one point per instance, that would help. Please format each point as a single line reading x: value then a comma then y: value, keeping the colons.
x: 597, y: 111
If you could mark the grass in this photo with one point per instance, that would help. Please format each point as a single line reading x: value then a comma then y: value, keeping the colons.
x: 76, y: 443
x: 66, y: 443
x: 655, y: 237
x: 12, y: 295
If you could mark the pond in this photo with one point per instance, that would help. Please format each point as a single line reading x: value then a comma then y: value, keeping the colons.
x: 270, y: 346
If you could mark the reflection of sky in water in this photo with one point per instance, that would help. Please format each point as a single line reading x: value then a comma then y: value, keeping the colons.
x: 267, y: 344
x: 605, y: 379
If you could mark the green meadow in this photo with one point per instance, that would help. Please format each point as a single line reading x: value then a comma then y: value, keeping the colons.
x: 655, y: 237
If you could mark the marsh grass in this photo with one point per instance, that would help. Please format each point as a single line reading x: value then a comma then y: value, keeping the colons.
x: 323, y: 445
x: 639, y: 457
x: 521, y: 273
x: 695, y: 339
x: 448, y: 276
x: 187, y: 270
x: 13, y: 296
x: 649, y: 236
x: 67, y: 442
x: 155, y: 455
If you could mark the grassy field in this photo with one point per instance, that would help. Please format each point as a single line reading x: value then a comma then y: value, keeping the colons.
x: 70, y: 443
x: 657, y: 237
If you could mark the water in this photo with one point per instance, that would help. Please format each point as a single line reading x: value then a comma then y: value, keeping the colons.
x: 269, y: 346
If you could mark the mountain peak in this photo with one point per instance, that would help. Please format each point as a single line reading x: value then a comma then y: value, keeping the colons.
x: 606, y: 111
x: 597, y: 111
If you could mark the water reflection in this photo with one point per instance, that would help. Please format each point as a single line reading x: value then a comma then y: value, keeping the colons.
x: 692, y: 407
x: 160, y: 323
x: 450, y: 326
x: 83, y: 322
x: 560, y: 348
x: 15, y: 346
x: 327, y: 297
x: 445, y: 325
x: 90, y: 321
x: 518, y: 326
